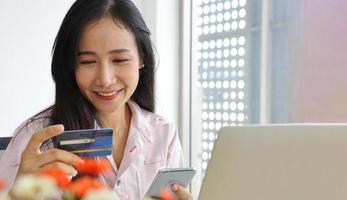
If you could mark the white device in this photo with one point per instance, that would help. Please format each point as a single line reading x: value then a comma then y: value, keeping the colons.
x: 166, y: 177
x: 271, y: 162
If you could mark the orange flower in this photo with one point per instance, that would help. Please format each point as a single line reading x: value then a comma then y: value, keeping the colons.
x: 166, y: 195
x: 2, y: 184
x: 92, y: 166
x: 58, y: 175
x: 85, y: 184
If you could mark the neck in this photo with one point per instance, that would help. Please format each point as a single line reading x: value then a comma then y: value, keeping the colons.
x: 119, y: 121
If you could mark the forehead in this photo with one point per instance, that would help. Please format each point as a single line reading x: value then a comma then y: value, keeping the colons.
x: 108, y: 33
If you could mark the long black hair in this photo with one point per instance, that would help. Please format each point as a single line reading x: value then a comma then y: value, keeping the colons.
x: 71, y: 108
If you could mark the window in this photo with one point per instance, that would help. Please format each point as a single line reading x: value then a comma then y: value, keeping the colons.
x: 222, y: 66
x: 264, y: 61
x: 225, y: 38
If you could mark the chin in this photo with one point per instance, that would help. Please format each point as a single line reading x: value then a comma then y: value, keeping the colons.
x: 109, y: 109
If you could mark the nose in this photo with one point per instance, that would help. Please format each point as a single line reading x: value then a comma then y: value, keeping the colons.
x: 105, y: 75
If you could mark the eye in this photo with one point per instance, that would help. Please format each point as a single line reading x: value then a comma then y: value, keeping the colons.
x: 120, y: 61
x: 87, y: 62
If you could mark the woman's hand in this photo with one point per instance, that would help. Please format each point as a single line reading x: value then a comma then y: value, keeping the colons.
x: 33, y: 160
x: 181, y: 192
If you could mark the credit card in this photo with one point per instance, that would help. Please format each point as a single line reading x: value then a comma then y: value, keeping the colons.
x: 87, y: 142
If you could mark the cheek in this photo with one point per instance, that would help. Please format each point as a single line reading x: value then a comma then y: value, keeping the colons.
x: 132, y: 78
x: 82, y: 79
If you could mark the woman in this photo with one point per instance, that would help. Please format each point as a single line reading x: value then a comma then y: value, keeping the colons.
x: 103, y: 68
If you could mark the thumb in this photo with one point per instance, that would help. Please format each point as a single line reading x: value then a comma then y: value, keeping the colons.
x: 181, y: 192
x: 166, y: 195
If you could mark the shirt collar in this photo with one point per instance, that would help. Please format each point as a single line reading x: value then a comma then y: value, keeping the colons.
x: 140, y: 121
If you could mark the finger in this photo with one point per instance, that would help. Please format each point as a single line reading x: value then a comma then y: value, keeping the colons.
x: 38, y: 138
x: 68, y: 169
x: 167, y: 194
x: 58, y: 155
x: 28, y: 165
x: 181, y: 192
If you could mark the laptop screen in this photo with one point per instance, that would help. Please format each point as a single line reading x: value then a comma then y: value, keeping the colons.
x: 288, y: 161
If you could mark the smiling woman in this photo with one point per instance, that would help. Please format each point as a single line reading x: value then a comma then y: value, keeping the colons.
x: 108, y: 67
x: 103, y: 69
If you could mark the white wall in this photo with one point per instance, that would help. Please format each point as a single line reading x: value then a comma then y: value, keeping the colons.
x: 28, y: 29
x: 163, y: 19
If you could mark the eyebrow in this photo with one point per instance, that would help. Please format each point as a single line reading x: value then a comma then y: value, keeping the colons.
x: 110, y: 52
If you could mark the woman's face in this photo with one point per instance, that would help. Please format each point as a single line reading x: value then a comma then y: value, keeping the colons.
x: 108, y: 63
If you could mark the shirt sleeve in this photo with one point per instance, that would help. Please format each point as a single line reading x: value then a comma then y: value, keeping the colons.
x: 9, y: 161
x: 175, y: 156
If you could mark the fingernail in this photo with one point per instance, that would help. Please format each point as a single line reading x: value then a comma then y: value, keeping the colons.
x: 74, y: 173
x: 79, y: 162
x: 69, y: 177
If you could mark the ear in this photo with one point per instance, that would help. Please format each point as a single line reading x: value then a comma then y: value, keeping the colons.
x: 142, y: 64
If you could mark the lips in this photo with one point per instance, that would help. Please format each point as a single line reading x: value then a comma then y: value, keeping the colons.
x: 108, y: 95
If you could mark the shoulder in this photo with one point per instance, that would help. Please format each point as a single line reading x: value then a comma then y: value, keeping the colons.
x: 24, y: 131
x: 152, y: 126
x: 35, y: 123
x: 145, y: 119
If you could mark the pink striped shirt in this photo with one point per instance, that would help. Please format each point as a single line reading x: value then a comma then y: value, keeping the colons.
x: 152, y: 144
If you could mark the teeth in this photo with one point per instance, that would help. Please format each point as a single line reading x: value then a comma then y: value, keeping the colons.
x: 107, y: 94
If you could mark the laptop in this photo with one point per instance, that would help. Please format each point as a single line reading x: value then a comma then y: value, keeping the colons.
x: 4, y: 141
x: 278, y: 162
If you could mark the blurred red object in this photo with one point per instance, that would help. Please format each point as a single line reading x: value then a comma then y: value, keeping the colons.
x: 166, y: 195
x: 2, y: 185
x: 92, y: 166
x: 58, y: 175
x: 85, y: 184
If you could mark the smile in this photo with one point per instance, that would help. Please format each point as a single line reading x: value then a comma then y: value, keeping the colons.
x: 108, y: 95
